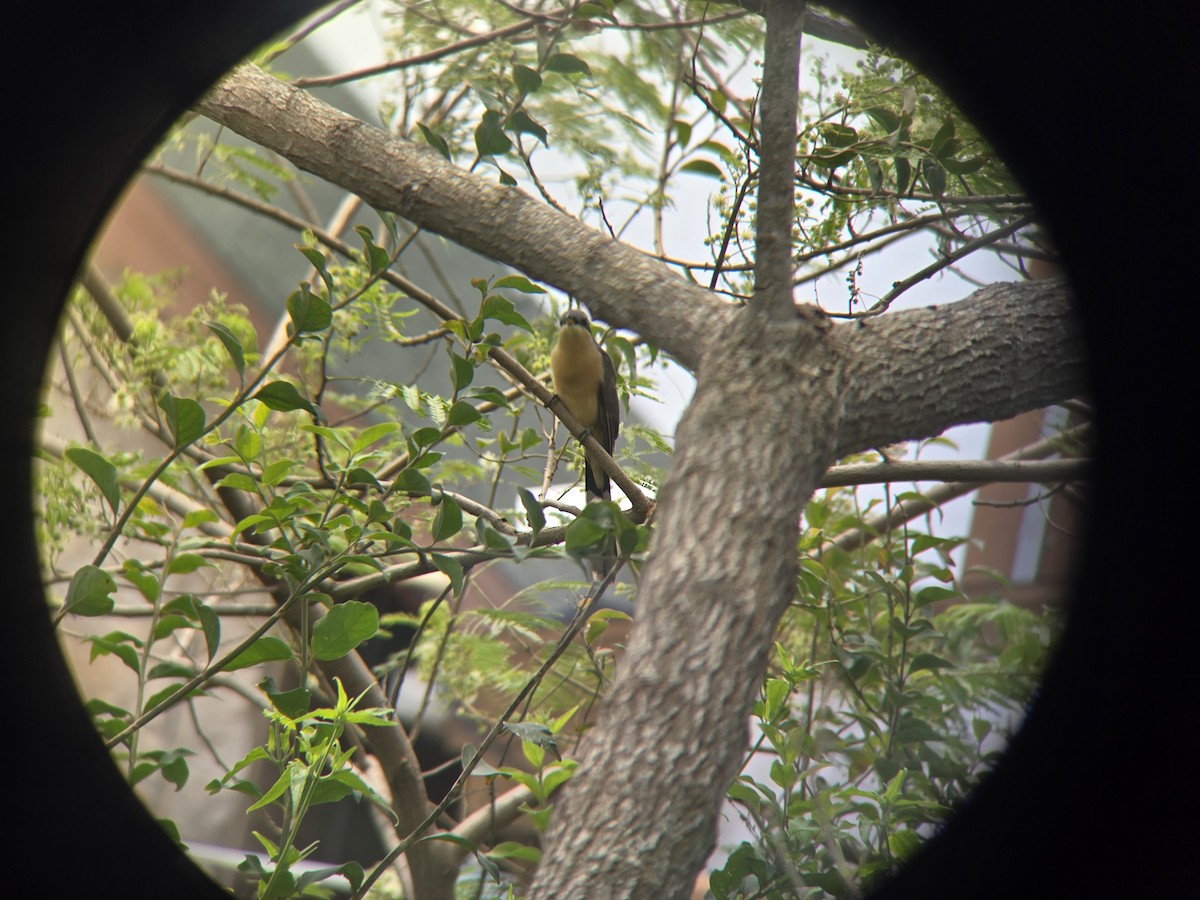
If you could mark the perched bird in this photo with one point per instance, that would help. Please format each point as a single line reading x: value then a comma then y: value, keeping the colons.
x: 585, y: 381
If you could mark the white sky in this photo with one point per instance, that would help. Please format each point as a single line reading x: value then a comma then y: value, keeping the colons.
x: 353, y: 41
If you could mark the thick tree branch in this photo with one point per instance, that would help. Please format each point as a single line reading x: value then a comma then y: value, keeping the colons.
x: 1007, y: 348
x: 615, y: 281
x: 819, y: 25
x: 720, y: 574
x: 626, y: 287
x: 777, y: 401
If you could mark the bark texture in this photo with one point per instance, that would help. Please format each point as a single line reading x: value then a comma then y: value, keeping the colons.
x: 778, y: 400
x: 640, y: 817
x: 416, y: 183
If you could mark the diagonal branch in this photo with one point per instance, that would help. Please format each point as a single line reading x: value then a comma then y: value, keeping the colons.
x: 1007, y: 348
x: 502, y: 223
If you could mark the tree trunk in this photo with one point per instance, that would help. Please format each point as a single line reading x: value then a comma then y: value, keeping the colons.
x: 778, y: 399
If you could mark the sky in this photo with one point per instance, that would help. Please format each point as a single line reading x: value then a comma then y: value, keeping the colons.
x: 353, y: 41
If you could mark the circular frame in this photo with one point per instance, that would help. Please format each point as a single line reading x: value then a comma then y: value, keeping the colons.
x: 1092, y: 796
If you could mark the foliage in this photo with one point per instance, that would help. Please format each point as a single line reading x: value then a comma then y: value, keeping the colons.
x: 214, y: 469
x: 906, y: 706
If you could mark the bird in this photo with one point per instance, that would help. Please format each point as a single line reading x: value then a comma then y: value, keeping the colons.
x: 584, y: 379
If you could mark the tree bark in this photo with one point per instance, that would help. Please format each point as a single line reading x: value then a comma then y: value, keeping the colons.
x: 777, y: 402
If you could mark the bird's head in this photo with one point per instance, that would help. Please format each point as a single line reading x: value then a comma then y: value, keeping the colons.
x: 575, y: 317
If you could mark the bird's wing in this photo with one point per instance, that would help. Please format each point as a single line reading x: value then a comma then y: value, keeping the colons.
x: 607, y: 424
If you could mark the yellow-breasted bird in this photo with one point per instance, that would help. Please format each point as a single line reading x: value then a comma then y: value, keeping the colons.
x: 585, y: 381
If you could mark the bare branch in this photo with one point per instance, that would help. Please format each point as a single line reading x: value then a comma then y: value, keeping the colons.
x: 478, y: 40
x: 777, y: 160
x: 907, y: 510
x: 983, y: 471
x: 949, y: 259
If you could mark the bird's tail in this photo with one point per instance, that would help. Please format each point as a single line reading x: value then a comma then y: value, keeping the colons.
x: 596, y: 481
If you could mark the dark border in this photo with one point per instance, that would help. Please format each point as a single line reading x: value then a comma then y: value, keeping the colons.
x: 1090, y: 107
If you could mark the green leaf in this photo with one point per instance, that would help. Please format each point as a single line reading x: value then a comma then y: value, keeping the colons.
x: 88, y: 594
x: 185, y: 418
x: 482, y: 769
x: 839, y: 148
x: 377, y: 257
x: 903, y: 172
x: 527, y: 80
x: 935, y: 177
x: 435, y: 140
x: 513, y: 850
x: 210, y: 622
x: 838, y: 135
x: 566, y: 64
x: 275, y: 791
x: 912, y: 731
x: 359, y: 475
x: 599, y: 622
x: 934, y: 593
x: 981, y: 728
x: 351, y: 871
x: 462, y: 371
x: 903, y: 843
x: 199, y: 517
x: 319, y: 263
x: 117, y: 643
x: 502, y: 310
x: 534, y: 513
x: 490, y: 538
x: 145, y: 581
x: 247, y: 442
x: 702, y: 167
x: 929, y: 661
x: 490, y: 139
x: 518, y: 283
x: 451, y: 568
x: 448, y: 522
x: 599, y: 10
x: 462, y: 413
x: 523, y: 123
x: 277, y: 471
x: 585, y: 537
x: 490, y: 867
x: 412, y: 481
x: 885, y: 118
x: 370, y: 435
x: 944, y: 134
x: 308, y: 312
x: 293, y: 704
x: 160, y: 697
x: 964, y: 166
x: 239, y: 481
x: 683, y: 131
x: 426, y: 460
x: 100, y: 470
x: 283, y: 397
x: 233, y: 346
x: 343, y: 628
x: 184, y: 563
x: 265, y: 649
